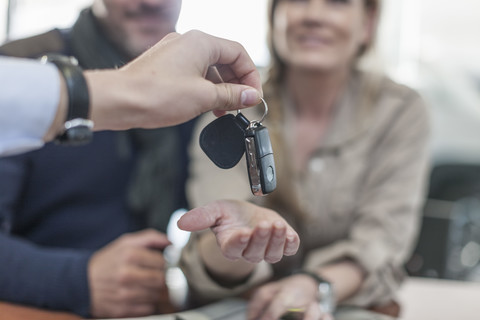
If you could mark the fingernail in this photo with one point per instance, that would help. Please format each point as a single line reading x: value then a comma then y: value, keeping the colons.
x: 278, y: 224
x: 250, y: 97
x: 290, y: 238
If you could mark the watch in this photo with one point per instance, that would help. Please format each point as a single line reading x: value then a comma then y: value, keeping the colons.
x: 77, y: 129
x: 326, y: 294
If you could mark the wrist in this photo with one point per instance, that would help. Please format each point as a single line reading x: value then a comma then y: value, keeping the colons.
x: 74, y: 102
x: 115, y: 103
x: 325, y: 291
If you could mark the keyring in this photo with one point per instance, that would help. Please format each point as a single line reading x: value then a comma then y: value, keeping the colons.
x: 254, y: 123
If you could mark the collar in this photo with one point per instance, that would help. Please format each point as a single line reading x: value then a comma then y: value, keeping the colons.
x: 351, y: 115
x: 91, y: 46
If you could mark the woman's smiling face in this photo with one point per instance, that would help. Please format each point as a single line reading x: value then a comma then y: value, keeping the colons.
x: 321, y: 35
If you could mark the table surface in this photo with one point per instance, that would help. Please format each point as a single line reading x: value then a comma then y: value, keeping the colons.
x: 15, y: 312
x: 434, y: 299
x: 420, y: 298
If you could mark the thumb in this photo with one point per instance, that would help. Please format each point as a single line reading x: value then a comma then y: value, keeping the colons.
x: 200, y: 218
x: 235, y: 96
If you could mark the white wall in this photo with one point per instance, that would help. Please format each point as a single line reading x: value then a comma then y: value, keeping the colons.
x: 3, y: 19
x: 244, y: 21
x: 36, y: 16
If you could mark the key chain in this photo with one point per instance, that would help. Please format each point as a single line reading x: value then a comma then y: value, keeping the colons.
x: 225, y: 139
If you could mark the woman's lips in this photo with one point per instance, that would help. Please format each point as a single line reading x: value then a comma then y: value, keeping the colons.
x: 313, y: 41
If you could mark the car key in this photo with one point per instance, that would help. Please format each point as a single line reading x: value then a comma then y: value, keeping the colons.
x: 260, y: 161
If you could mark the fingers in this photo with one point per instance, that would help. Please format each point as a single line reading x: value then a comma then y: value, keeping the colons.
x: 230, y: 95
x: 276, y: 247
x: 235, y: 96
x: 255, y: 251
x: 278, y: 298
x: 243, y: 86
x: 260, y: 300
x: 279, y: 305
x: 313, y: 312
x: 233, y: 54
x: 266, y: 242
x: 234, y: 247
x: 135, y: 276
x: 270, y: 242
x: 149, y: 238
x: 292, y: 244
x: 138, y: 295
x: 200, y: 218
x: 148, y: 258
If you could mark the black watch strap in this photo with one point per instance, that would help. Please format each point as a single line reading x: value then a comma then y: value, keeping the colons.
x: 78, y: 127
x: 312, y: 275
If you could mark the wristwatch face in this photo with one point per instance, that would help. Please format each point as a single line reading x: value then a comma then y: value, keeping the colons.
x: 327, y: 297
x: 77, y: 135
x: 80, y: 134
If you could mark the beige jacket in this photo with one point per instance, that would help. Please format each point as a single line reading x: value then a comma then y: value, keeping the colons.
x: 360, y: 197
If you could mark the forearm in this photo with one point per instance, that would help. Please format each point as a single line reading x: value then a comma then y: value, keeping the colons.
x: 221, y: 269
x: 346, y: 277
x: 114, y: 102
x: 48, y: 278
x: 107, y: 94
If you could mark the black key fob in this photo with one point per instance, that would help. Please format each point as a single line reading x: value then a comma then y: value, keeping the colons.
x: 223, y: 140
x: 260, y: 161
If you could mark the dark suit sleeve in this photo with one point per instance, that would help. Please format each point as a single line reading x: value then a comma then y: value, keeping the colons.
x: 33, y: 275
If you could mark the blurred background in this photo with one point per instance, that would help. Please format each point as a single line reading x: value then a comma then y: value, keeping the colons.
x: 431, y: 45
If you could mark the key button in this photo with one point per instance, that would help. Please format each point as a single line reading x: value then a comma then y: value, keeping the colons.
x: 270, y: 174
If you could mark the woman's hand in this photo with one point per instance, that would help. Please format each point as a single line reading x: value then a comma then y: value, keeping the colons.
x: 274, y: 299
x: 244, y: 230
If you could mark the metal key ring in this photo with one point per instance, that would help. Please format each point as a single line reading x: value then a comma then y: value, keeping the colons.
x: 255, y: 122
